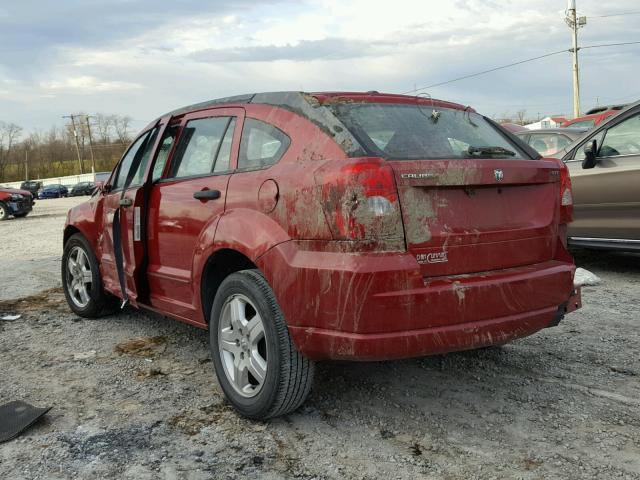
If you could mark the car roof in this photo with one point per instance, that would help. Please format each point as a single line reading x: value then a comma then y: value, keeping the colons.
x: 306, y: 105
x: 605, y: 108
x: 289, y: 99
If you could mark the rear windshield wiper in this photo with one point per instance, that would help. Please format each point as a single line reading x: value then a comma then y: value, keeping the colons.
x: 489, y: 151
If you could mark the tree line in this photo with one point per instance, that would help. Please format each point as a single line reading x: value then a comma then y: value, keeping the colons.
x: 98, y: 140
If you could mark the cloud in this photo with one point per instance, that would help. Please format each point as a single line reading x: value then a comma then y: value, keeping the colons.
x: 142, y: 59
x: 305, y: 50
x: 87, y: 84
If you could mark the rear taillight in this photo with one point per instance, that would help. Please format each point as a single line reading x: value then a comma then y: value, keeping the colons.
x: 360, y: 199
x: 566, y: 195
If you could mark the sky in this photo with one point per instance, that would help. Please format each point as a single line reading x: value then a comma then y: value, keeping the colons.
x: 143, y: 58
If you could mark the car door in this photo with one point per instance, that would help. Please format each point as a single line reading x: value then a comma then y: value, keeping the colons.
x: 186, y: 203
x: 607, y: 197
x: 121, y: 242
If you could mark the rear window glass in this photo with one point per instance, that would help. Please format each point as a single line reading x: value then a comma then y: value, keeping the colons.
x: 582, y: 124
x: 412, y: 132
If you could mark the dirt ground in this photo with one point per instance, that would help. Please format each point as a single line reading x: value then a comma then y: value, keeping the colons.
x: 564, y: 403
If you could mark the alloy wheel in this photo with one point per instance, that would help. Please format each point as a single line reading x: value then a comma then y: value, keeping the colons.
x: 79, y: 277
x: 242, y: 345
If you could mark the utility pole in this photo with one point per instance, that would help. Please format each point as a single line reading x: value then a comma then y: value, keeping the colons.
x: 93, y: 160
x: 75, y: 135
x: 575, y: 23
x: 26, y: 161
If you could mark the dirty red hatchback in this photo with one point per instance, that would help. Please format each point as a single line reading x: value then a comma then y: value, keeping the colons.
x: 299, y: 227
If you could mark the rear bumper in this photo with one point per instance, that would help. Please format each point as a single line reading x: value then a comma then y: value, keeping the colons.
x: 378, y: 306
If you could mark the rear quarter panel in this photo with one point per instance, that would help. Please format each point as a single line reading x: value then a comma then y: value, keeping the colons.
x: 252, y: 224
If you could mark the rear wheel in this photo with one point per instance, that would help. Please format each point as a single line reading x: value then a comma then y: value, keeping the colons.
x: 4, y: 212
x: 258, y: 367
x: 81, y: 280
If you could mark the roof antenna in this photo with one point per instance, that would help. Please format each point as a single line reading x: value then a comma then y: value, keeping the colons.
x: 435, y: 114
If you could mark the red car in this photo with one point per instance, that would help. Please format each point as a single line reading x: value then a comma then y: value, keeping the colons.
x: 594, y: 117
x: 299, y: 227
x: 14, y: 202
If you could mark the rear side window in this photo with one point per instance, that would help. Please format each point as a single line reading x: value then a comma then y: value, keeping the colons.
x: 262, y: 144
x: 413, y: 132
x: 200, y: 144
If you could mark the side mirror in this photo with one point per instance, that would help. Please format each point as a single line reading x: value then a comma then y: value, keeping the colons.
x: 590, y: 151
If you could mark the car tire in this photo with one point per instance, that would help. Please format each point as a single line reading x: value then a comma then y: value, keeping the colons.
x: 93, y: 302
x: 287, y: 375
x: 20, y: 215
x: 4, y: 212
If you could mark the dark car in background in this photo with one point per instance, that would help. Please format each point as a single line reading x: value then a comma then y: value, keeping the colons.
x: 82, y: 188
x: 605, y: 173
x: 53, y: 191
x: 14, y: 202
x: 31, y: 186
x: 549, y: 141
x: 102, y: 176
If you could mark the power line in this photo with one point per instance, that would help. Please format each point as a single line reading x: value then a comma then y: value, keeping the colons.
x: 610, y: 45
x: 485, y: 71
x: 613, y: 15
x: 514, y: 64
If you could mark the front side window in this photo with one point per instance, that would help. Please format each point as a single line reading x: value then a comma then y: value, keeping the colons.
x: 164, y: 150
x: 128, y: 160
x: 262, y: 144
x: 419, y: 132
x: 579, y: 155
x: 140, y: 164
x: 622, y: 139
x: 200, y: 144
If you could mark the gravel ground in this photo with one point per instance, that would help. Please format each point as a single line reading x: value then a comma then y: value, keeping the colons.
x: 564, y: 403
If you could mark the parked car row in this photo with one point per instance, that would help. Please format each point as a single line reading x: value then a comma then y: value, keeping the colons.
x: 53, y: 191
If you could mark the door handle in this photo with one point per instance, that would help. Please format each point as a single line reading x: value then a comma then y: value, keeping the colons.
x: 206, y: 195
x: 125, y: 202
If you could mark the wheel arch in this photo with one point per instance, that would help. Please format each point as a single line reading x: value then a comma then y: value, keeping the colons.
x: 69, y: 231
x: 219, y: 266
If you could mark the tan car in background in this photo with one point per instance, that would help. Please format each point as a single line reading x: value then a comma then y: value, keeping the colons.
x: 605, y: 173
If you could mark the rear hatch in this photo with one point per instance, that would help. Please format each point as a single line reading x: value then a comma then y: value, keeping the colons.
x: 466, y: 216
x: 472, y: 199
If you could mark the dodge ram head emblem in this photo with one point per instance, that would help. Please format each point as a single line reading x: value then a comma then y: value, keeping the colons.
x: 499, y: 174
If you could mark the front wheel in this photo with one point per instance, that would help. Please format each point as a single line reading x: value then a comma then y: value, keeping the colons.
x: 4, y: 212
x: 258, y: 367
x: 81, y: 280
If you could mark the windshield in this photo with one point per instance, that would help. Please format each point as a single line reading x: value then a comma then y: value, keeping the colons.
x: 411, y: 132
